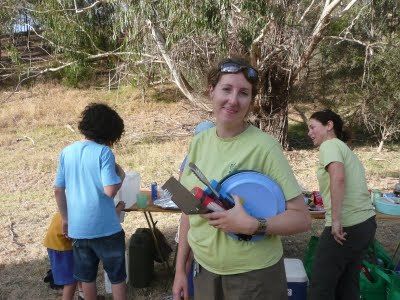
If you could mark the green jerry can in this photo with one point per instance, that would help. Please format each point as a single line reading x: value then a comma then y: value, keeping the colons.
x: 141, y: 258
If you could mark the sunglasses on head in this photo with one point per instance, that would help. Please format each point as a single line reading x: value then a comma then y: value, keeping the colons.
x: 233, y: 67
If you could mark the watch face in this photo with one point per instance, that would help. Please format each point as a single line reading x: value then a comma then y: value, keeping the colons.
x: 262, y: 226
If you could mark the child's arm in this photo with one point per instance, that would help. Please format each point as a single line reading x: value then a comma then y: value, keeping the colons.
x: 120, y: 206
x: 120, y: 171
x: 61, y: 200
x: 109, y: 174
x: 111, y: 190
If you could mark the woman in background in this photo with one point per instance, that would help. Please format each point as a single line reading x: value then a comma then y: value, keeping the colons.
x: 350, y: 217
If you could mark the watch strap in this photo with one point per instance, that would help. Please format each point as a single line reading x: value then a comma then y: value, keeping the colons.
x: 262, y: 226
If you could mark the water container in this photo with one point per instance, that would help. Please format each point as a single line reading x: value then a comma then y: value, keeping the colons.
x: 141, y: 259
x: 129, y: 189
x: 107, y: 283
x: 127, y: 265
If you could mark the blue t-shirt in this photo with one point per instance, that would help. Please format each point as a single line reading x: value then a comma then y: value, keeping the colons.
x: 85, y: 167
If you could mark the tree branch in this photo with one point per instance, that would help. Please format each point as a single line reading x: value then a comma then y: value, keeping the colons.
x: 178, y: 78
x: 316, y: 36
x: 75, y: 9
x: 306, y: 11
x: 35, y: 73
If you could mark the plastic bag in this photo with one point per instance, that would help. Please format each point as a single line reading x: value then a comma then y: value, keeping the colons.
x: 373, y: 288
x: 392, y: 283
x: 309, y: 254
x: 377, y: 255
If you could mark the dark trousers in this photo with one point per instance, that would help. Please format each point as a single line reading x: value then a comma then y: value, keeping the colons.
x: 264, y: 284
x: 336, y: 270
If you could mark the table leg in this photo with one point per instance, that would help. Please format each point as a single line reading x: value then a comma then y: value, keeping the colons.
x: 152, y: 225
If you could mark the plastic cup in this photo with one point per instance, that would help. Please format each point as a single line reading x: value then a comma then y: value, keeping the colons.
x: 141, y: 200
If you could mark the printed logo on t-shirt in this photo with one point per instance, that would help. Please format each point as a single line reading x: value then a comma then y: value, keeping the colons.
x: 232, y: 168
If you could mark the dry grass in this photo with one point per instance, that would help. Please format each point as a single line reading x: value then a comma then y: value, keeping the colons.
x: 37, y: 123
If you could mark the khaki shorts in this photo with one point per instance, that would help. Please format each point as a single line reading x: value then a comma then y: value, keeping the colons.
x: 269, y: 283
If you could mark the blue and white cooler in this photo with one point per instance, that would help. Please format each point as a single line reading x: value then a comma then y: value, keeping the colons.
x: 297, y: 279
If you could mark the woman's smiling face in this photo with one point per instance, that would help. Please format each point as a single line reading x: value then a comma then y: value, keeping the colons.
x: 231, y: 99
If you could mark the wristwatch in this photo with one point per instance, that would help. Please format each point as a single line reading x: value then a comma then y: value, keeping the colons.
x: 262, y: 226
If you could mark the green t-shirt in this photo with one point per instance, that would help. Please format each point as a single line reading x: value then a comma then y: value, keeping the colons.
x: 356, y: 206
x: 216, y: 158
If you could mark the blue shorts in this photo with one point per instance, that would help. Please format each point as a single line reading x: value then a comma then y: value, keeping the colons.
x: 109, y: 249
x: 62, y: 263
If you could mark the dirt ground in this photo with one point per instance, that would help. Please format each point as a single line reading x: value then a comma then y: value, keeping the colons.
x: 37, y: 123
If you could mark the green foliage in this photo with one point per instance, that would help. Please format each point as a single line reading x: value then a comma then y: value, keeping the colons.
x: 297, y: 136
x: 199, y: 32
x: 341, y: 64
x: 8, y: 13
x: 246, y: 37
x: 14, y: 54
x: 77, y: 33
x: 386, y: 14
x: 337, y: 26
x: 77, y: 74
x: 382, y: 93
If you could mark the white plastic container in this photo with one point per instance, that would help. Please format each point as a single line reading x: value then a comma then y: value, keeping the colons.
x: 127, y: 265
x: 129, y: 189
x: 296, y: 278
x: 107, y: 283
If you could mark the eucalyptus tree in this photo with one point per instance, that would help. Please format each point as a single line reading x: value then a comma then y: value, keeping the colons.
x: 360, y: 68
x: 377, y: 32
x: 279, y: 36
x: 79, y: 32
x: 182, y: 38
x: 381, y: 94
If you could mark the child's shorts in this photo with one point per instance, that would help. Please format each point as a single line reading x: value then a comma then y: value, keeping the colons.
x: 109, y: 249
x: 62, y: 265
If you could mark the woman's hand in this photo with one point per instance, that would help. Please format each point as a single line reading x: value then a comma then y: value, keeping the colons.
x: 233, y: 220
x: 337, y: 231
x: 180, y: 287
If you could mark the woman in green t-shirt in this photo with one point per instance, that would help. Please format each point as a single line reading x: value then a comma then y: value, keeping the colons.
x: 226, y: 268
x: 350, y: 217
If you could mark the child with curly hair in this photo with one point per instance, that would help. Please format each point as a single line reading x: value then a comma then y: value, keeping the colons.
x: 85, y: 185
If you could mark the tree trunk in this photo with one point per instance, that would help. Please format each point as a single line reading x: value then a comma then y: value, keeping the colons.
x: 280, y: 75
x: 271, y: 107
x: 380, y: 147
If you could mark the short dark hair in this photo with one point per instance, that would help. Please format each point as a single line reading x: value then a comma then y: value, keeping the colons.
x: 100, y: 123
x: 326, y: 115
x: 214, y: 74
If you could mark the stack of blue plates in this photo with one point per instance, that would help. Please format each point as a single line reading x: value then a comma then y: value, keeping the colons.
x: 262, y: 196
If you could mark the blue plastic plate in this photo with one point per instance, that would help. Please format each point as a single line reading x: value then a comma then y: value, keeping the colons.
x: 262, y: 196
